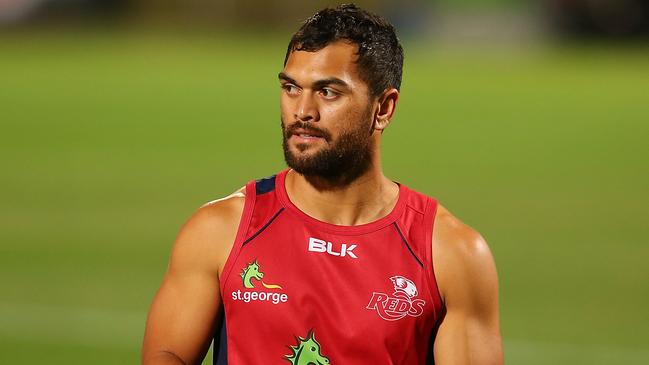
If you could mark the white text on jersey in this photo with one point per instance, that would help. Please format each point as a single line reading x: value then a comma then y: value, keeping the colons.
x: 318, y: 245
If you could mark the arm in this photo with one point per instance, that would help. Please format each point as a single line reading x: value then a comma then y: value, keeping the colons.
x: 467, y: 279
x: 184, y: 312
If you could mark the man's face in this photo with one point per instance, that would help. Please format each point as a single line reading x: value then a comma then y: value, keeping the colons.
x: 327, y: 118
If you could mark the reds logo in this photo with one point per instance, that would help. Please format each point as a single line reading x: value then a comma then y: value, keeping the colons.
x: 401, y: 303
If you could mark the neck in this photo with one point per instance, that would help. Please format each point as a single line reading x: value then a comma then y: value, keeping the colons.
x: 367, y: 198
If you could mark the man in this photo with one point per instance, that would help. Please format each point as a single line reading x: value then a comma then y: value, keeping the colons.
x: 329, y: 262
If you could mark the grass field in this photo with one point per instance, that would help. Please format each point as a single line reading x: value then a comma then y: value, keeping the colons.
x: 109, y: 142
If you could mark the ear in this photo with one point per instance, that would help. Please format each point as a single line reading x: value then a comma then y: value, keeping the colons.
x: 387, y: 104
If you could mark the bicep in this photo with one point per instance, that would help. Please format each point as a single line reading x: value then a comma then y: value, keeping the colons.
x: 183, y: 315
x: 186, y: 308
x: 470, y: 330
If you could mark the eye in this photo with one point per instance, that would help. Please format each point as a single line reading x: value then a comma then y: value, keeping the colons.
x: 290, y: 89
x: 328, y: 93
x: 312, y: 348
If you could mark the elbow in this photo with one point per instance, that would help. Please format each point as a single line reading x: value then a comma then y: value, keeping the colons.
x: 162, y: 357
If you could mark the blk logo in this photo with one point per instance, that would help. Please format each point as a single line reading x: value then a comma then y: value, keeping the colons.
x: 318, y: 245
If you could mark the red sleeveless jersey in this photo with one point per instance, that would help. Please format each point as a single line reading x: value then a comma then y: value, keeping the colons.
x: 298, y: 290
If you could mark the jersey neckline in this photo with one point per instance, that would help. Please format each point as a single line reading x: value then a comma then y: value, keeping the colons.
x: 341, y: 229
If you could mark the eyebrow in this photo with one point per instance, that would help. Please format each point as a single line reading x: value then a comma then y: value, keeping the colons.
x: 316, y: 84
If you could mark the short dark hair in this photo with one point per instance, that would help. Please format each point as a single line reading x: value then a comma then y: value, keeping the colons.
x: 380, y: 55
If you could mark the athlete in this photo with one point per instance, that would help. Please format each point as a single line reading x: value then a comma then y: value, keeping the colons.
x: 329, y: 261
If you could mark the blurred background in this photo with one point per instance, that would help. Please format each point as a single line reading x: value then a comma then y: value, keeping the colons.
x: 527, y: 119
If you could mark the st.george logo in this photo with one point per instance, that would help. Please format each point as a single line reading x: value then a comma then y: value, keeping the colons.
x: 400, y: 304
x: 318, y: 245
x: 252, y: 274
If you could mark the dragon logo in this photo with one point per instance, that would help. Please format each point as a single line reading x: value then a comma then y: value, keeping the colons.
x: 252, y: 272
x: 307, y: 351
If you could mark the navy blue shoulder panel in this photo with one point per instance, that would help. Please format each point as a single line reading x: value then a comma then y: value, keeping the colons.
x: 265, y: 185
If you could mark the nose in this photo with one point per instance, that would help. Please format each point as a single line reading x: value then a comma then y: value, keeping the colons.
x: 307, y: 108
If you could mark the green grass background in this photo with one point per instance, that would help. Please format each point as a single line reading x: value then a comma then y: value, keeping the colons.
x: 108, y: 142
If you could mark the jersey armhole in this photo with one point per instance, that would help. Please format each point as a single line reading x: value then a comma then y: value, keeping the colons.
x: 429, y: 218
x: 242, y: 230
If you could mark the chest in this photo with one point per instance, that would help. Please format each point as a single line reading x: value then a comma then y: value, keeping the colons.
x: 348, y: 291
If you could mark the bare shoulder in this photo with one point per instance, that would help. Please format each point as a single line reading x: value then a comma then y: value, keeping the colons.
x: 454, y: 237
x: 222, y: 210
x: 463, y: 262
x: 205, y: 240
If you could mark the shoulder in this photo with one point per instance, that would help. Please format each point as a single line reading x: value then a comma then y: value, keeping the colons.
x: 205, y: 240
x: 455, y: 237
x: 462, y: 260
x: 221, y: 211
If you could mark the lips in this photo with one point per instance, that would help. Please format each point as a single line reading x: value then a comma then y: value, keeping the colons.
x: 303, y: 138
x: 307, y: 133
x: 306, y: 137
x: 304, y: 133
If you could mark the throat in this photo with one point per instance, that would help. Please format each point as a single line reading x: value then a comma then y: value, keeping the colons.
x: 364, y: 201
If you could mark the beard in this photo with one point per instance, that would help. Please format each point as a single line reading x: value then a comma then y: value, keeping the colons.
x: 343, y: 159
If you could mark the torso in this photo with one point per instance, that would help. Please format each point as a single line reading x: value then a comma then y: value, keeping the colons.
x: 298, y: 289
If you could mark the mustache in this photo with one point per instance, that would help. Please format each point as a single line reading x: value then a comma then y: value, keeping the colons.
x: 306, y: 127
